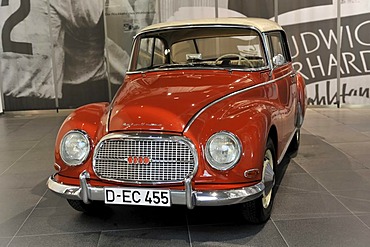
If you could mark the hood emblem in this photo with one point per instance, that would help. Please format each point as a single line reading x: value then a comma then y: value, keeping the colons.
x: 138, y: 160
x: 141, y: 125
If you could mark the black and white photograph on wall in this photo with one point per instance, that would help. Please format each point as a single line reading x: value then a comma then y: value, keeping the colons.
x: 77, y: 29
x: 124, y: 18
x: 55, y: 49
x: 52, y: 49
x: 25, y: 55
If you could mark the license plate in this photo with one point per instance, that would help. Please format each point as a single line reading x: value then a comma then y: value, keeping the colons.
x: 146, y: 197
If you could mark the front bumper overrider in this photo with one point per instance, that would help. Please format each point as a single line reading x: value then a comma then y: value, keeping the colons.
x: 188, y: 197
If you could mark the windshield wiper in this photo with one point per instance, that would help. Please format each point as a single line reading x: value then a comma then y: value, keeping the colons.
x: 204, y: 65
x: 178, y: 65
x: 173, y: 65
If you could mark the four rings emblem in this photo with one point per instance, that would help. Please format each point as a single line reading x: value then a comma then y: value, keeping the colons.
x: 138, y: 160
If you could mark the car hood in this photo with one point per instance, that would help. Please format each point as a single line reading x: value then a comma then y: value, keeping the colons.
x: 158, y: 101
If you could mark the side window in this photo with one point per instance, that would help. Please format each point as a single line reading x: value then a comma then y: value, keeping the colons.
x: 159, y: 57
x: 145, y: 56
x: 151, y: 53
x: 279, y: 47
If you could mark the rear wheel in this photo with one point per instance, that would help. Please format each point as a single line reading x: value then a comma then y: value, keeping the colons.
x: 259, y: 210
x: 92, y: 208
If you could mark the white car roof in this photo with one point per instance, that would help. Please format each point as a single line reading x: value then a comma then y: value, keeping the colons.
x: 263, y: 25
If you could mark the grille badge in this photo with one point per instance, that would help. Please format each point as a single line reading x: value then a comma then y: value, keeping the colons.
x: 134, y: 160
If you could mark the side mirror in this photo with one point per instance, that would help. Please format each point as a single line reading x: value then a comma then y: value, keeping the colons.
x: 278, y: 60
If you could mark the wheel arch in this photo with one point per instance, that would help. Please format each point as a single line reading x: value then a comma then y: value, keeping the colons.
x: 274, y: 137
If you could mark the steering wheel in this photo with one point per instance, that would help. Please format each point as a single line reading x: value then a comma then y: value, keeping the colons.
x: 235, y: 55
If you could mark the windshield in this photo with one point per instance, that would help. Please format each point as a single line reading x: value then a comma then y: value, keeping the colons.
x: 205, y: 47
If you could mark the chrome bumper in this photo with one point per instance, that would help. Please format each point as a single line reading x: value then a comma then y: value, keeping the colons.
x: 187, y: 197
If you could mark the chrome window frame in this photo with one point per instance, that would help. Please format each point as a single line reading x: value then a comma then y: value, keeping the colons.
x: 261, y: 34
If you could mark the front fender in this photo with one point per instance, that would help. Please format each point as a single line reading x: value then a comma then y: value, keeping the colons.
x: 91, y: 119
x: 249, y: 119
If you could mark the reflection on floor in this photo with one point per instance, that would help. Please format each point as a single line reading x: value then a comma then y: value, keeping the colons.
x: 323, y: 198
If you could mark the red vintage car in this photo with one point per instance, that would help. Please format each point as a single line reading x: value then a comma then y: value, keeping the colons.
x: 206, y: 112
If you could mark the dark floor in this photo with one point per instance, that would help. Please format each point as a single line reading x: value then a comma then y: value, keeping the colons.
x: 323, y: 197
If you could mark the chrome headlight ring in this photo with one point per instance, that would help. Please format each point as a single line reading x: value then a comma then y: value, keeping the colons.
x: 223, y: 150
x: 75, y: 147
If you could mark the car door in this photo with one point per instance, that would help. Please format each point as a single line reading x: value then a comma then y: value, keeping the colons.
x: 284, y: 83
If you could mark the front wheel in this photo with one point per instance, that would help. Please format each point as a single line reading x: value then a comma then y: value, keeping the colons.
x: 259, y: 210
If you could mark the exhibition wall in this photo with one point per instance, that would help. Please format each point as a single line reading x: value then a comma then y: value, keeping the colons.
x: 1, y: 104
x: 63, y: 54
x: 52, y: 53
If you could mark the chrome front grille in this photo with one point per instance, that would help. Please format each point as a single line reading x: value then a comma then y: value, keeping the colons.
x: 135, y: 159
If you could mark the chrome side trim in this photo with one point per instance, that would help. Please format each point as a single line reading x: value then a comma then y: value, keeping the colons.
x: 191, y: 121
x: 186, y: 197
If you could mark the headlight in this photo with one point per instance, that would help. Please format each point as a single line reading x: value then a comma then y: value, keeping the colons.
x: 74, y: 148
x: 223, y: 150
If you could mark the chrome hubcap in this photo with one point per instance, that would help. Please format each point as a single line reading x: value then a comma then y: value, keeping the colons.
x: 268, y: 178
x: 297, y: 136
